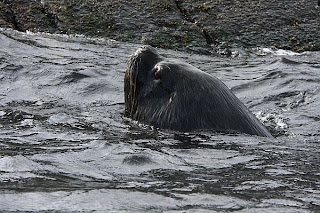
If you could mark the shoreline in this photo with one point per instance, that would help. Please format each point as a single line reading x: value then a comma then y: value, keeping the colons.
x: 205, y: 28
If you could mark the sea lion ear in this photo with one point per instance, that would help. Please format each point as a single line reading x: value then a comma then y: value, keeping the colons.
x: 158, y: 71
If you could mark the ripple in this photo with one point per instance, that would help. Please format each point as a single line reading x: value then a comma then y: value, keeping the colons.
x: 66, y: 146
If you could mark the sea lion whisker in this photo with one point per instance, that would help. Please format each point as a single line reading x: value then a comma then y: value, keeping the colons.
x: 134, y: 85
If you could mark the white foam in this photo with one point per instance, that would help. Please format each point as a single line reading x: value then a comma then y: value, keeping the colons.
x: 274, y: 51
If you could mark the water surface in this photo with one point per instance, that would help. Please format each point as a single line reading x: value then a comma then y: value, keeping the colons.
x: 66, y: 146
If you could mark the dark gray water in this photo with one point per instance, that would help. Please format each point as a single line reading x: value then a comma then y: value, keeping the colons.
x: 65, y: 145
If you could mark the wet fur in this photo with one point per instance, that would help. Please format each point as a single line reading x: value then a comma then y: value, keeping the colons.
x: 174, y: 95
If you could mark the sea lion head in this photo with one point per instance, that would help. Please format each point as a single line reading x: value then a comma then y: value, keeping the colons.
x: 159, y: 91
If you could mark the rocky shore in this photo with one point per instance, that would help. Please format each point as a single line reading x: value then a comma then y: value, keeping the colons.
x: 201, y: 26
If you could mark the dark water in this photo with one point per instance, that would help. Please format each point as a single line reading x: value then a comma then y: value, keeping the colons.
x: 65, y: 145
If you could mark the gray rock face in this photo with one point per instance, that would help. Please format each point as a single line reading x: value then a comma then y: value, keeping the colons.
x: 175, y: 24
x: 288, y: 24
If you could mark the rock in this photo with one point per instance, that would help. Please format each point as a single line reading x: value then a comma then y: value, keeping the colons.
x: 176, y: 24
x: 289, y: 24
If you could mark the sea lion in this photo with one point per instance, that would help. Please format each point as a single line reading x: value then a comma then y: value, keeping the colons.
x: 174, y: 95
